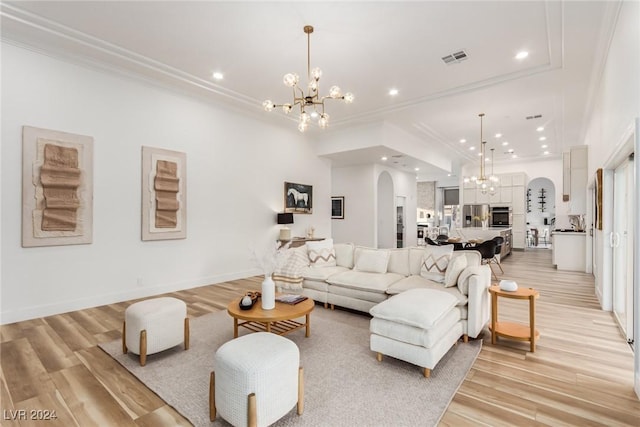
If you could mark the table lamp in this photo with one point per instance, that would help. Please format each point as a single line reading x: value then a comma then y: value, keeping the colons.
x: 285, y: 218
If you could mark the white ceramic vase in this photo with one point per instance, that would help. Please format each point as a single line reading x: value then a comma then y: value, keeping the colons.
x: 485, y: 224
x: 268, y: 294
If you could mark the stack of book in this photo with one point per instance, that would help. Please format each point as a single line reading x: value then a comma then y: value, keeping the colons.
x: 290, y: 298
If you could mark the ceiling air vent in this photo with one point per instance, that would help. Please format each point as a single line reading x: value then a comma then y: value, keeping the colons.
x: 455, y: 57
x: 537, y: 116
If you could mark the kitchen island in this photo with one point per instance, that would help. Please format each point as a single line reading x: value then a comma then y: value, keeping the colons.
x: 569, y: 250
x: 480, y: 234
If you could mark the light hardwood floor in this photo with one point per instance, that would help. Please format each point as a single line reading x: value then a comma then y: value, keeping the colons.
x: 581, y: 373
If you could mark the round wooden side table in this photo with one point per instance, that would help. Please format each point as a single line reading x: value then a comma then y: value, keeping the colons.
x: 513, y: 330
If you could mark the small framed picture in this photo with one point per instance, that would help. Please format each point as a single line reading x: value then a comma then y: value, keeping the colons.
x: 337, y: 207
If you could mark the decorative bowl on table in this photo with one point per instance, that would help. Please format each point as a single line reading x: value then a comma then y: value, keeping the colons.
x: 247, y: 301
x: 508, y: 285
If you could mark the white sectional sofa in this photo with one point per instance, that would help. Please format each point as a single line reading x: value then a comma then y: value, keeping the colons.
x: 360, y: 278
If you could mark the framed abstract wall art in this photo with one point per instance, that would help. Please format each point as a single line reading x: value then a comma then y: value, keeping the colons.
x: 164, y: 194
x: 57, y: 188
x: 337, y: 207
x: 598, y: 199
x: 298, y: 198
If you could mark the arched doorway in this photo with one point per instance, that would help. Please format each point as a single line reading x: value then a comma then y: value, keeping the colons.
x: 541, y: 212
x: 386, y: 218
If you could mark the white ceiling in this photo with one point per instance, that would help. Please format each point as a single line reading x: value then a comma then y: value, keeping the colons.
x: 364, y: 47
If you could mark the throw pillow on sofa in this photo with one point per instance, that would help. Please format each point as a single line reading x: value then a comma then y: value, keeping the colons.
x: 455, y: 267
x: 344, y: 254
x: 288, y: 273
x: 371, y: 260
x: 321, y: 253
x: 435, y: 262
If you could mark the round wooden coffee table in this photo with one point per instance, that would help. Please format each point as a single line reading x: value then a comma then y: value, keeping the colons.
x: 279, y: 320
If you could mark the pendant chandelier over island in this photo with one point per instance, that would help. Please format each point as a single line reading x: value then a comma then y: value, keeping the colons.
x: 484, y: 184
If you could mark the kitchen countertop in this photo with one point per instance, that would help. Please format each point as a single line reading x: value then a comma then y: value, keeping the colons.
x: 485, y: 229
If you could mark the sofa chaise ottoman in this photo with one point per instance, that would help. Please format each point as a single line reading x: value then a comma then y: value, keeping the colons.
x: 418, y: 326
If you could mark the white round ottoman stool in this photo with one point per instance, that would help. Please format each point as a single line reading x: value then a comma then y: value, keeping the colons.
x: 155, y: 325
x: 257, y: 379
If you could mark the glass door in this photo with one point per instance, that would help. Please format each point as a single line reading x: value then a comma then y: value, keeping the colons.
x: 622, y: 243
x: 400, y: 222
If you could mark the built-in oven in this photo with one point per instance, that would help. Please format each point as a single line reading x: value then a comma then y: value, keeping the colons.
x: 501, y: 216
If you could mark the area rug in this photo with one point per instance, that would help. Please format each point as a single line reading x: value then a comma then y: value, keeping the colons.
x: 344, y: 383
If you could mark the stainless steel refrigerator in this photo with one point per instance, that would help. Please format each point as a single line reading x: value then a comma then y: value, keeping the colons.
x: 472, y: 215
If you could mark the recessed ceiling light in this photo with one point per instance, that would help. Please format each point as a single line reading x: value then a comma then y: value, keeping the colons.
x: 462, y: 141
x: 510, y: 150
x: 416, y: 169
x: 546, y: 152
x: 472, y: 148
x: 544, y: 145
x: 513, y: 156
x: 218, y: 76
x: 498, y: 135
x: 383, y: 158
x: 540, y: 128
x: 522, y: 54
x: 448, y: 174
x: 542, y: 138
x: 393, y: 92
x: 486, y: 159
x: 479, y: 154
x: 505, y: 143
x: 314, y: 114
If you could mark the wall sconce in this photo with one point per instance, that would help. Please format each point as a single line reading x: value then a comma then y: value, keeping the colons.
x: 285, y: 218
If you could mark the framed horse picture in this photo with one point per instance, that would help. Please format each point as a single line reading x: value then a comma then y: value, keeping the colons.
x: 298, y: 198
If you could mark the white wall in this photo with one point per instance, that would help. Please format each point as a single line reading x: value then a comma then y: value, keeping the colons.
x: 404, y: 185
x: 386, y: 212
x: 235, y: 176
x: 616, y: 106
x: 358, y: 184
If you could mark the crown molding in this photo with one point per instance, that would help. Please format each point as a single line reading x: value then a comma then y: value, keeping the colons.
x: 128, y: 61
x: 605, y: 38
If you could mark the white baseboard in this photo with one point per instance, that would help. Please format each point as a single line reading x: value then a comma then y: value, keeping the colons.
x: 44, y: 310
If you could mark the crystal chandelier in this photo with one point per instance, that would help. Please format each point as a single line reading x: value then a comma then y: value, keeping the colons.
x: 484, y: 184
x: 493, y: 180
x: 311, y: 104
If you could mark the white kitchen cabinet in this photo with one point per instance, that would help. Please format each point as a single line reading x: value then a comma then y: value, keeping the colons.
x: 569, y: 250
x: 578, y: 180
x: 506, y: 180
x: 481, y: 198
x: 518, y: 202
x: 518, y: 239
x: 519, y: 179
x: 518, y: 222
x: 469, y: 196
x: 506, y: 195
x: 510, y: 193
x: 496, y: 198
x: 519, y: 231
